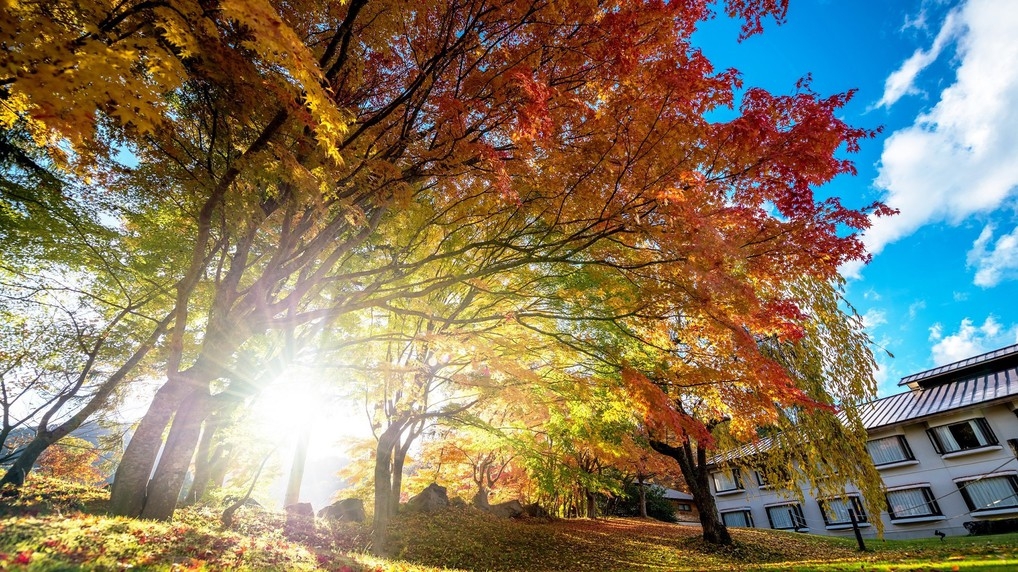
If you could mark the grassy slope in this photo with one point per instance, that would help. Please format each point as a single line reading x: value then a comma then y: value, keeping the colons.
x: 53, y: 526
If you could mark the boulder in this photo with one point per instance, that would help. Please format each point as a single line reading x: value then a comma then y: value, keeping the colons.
x: 432, y: 499
x: 301, y: 509
x: 248, y: 502
x: 347, y: 510
x: 300, y: 522
x: 508, y: 509
x: 535, y: 510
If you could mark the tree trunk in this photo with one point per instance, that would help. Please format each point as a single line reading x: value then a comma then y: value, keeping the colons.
x: 130, y: 482
x: 219, y: 465
x: 45, y: 437
x: 29, y: 455
x: 177, y: 455
x: 714, y: 531
x: 481, y: 498
x: 643, y: 496
x: 207, y: 459
x: 383, y: 489
x: 591, y: 499
x: 398, y: 459
x: 399, y: 454
x: 300, y: 458
x: 694, y: 469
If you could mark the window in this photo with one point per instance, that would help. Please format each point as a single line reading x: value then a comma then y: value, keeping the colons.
x: 726, y: 481
x: 912, y: 503
x: 990, y: 493
x: 786, y: 516
x: 971, y: 434
x: 737, y: 518
x: 889, y: 450
x: 835, y: 511
x: 685, y: 507
x: 780, y: 477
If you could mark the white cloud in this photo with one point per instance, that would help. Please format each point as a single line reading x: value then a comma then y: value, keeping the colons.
x: 970, y: 340
x: 918, y: 22
x: 902, y: 81
x: 957, y: 159
x: 998, y: 263
x: 873, y: 318
x: 960, y: 296
x: 915, y: 307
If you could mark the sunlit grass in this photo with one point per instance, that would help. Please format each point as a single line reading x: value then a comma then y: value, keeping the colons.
x: 54, y: 526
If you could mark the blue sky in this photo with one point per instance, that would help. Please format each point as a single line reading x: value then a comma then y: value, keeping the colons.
x: 941, y: 78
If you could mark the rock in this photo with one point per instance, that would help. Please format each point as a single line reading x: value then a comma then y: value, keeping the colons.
x: 299, y: 510
x: 300, y: 522
x: 432, y: 499
x: 480, y: 501
x: 248, y: 502
x: 509, y: 509
x: 346, y: 510
x: 535, y: 510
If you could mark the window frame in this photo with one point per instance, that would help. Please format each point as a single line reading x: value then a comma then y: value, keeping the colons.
x: 736, y: 479
x: 855, y: 502
x: 927, y: 492
x: 903, y: 446
x: 981, y: 428
x: 762, y: 483
x: 1011, y: 478
x: 744, y: 511
x: 797, y: 516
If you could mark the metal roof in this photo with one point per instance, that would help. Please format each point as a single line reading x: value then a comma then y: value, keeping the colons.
x: 967, y: 392
x: 958, y: 367
x: 672, y: 494
x: 914, y: 405
x: 986, y: 378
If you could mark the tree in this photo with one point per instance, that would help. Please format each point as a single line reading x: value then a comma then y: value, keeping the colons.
x: 552, y: 144
x: 73, y: 459
x: 638, y: 464
x: 713, y: 416
x: 67, y: 344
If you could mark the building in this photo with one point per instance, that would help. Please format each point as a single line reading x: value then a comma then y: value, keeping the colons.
x: 683, y: 504
x: 946, y: 450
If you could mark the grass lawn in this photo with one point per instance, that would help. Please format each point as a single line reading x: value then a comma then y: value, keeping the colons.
x: 53, y: 526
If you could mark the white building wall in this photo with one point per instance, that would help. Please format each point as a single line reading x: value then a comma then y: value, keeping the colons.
x: 930, y: 468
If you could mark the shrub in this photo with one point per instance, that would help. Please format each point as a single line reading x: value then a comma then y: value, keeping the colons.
x: 658, y: 507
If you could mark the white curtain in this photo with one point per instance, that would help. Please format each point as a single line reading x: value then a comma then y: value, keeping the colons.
x: 725, y: 481
x: 740, y: 518
x: 781, y: 516
x: 887, y: 450
x: 946, y: 438
x: 991, y: 493
x: 837, y: 511
x: 909, y: 502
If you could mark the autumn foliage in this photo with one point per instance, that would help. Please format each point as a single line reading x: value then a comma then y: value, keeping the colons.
x: 73, y: 459
x: 465, y: 203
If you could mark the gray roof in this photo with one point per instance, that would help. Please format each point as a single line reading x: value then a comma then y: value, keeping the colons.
x: 987, y: 378
x: 672, y: 494
x: 959, y: 368
x: 970, y: 390
x: 914, y: 405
